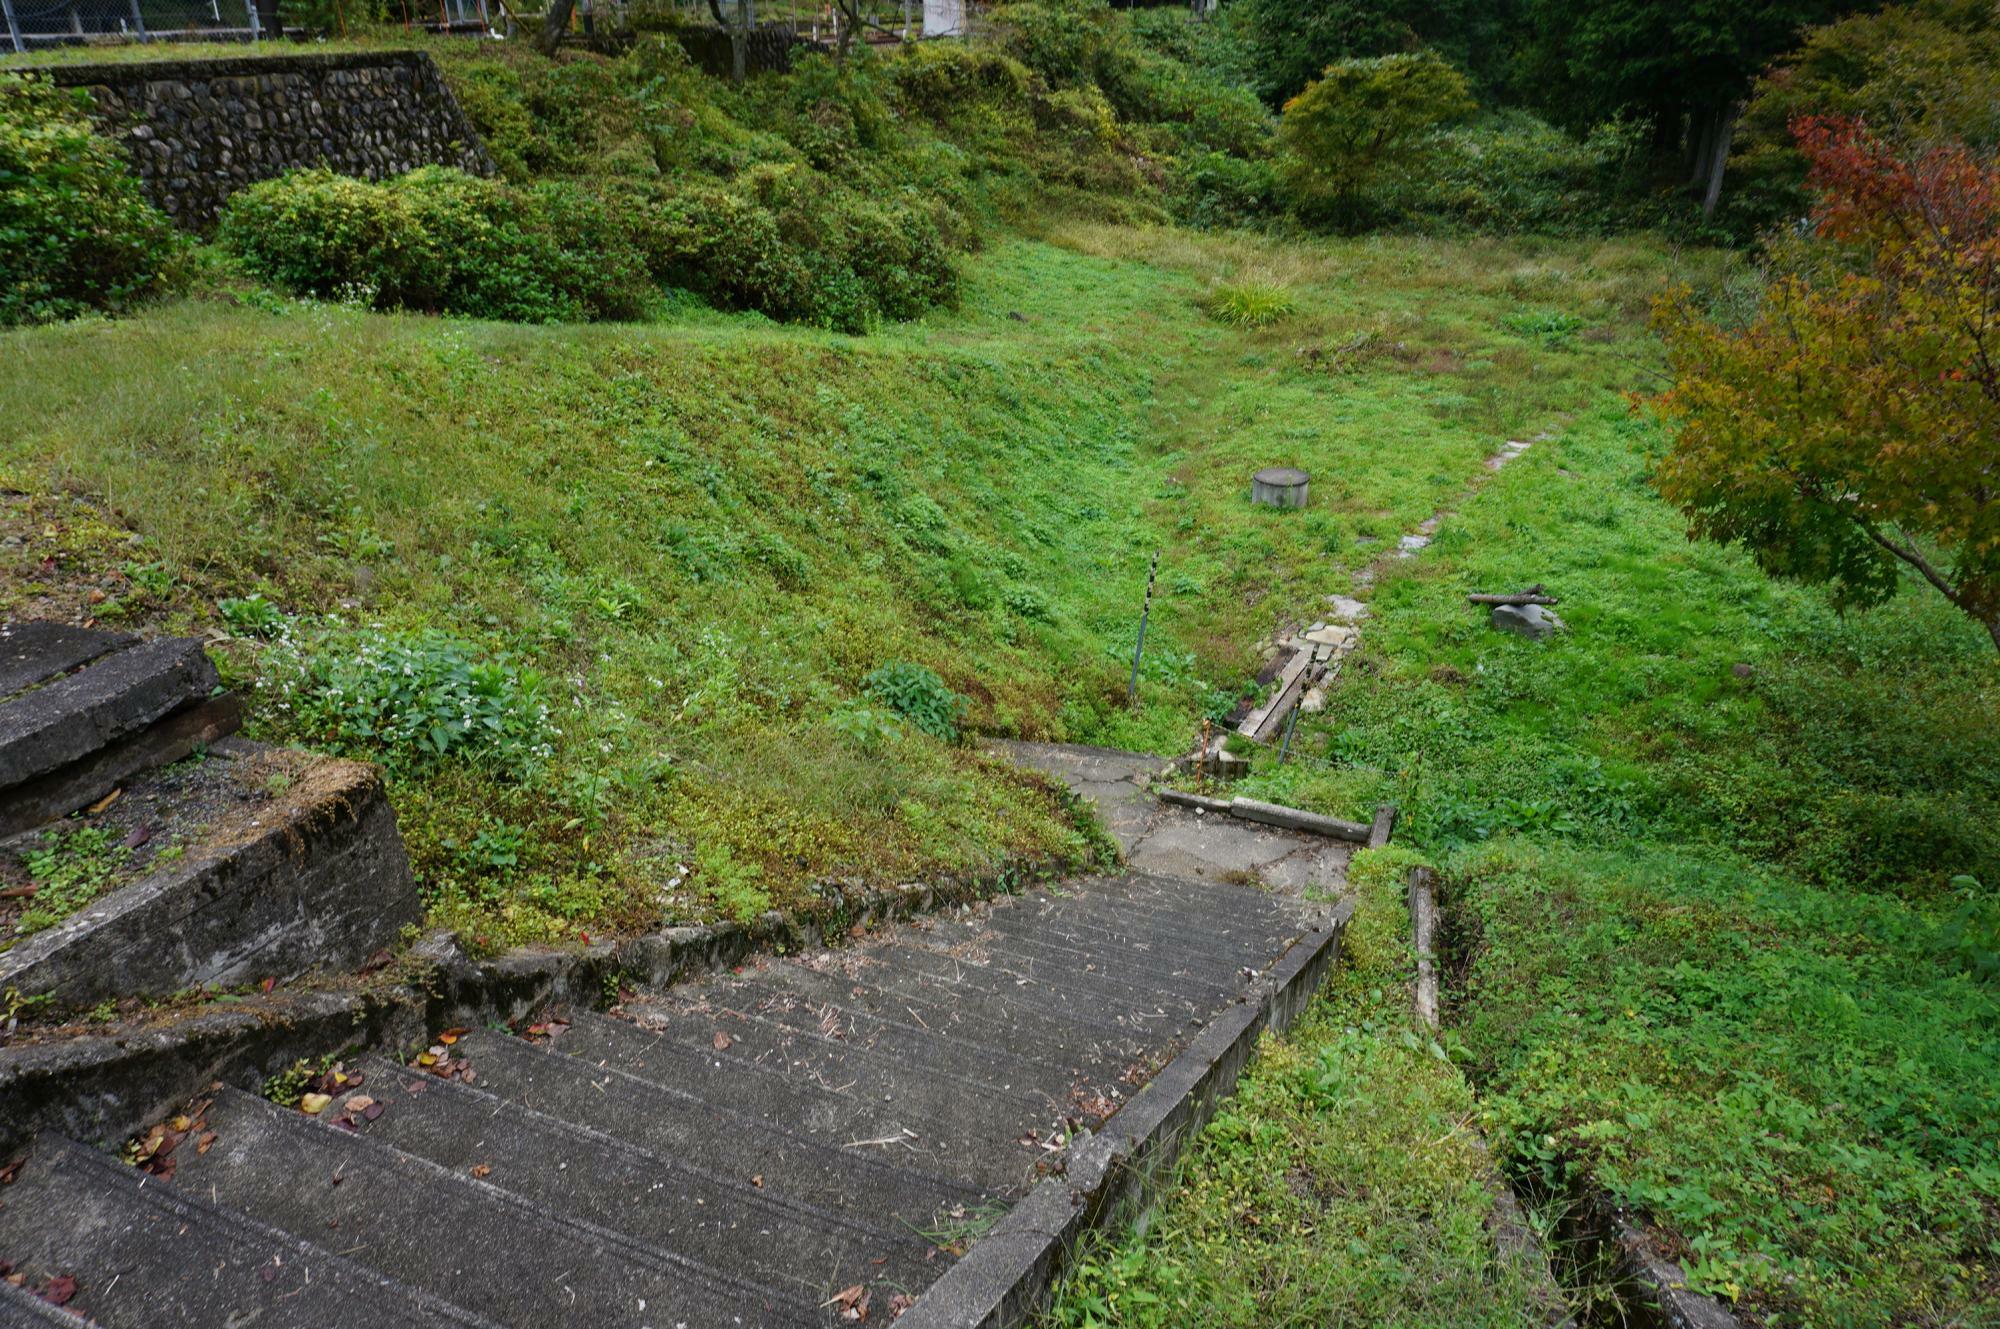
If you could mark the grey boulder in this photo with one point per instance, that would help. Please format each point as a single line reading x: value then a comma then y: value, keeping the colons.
x: 1530, y: 621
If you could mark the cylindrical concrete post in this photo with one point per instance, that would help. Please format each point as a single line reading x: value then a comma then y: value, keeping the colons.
x: 1279, y: 487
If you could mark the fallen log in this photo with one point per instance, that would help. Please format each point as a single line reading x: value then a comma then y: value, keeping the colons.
x: 1513, y: 598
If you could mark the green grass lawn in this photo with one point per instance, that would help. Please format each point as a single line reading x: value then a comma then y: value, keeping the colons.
x: 1719, y: 864
x: 672, y: 553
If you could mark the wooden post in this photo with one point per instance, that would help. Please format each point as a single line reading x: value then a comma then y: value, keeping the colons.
x: 1423, y: 935
x: 13, y: 26
x: 1132, y: 688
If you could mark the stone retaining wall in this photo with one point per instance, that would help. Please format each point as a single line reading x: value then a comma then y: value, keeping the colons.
x: 199, y: 130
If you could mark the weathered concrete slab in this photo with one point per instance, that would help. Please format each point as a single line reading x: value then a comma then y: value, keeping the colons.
x: 76, y: 1213
x: 35, y: 652
x: 473, y: 1244
x: 314, y: 877
x: 671, y: 1204
x: 76, y: 715
x: 867, y: 1184
x: 83, y: 782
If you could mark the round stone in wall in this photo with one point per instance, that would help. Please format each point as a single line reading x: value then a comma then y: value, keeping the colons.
x: 1279, y: 487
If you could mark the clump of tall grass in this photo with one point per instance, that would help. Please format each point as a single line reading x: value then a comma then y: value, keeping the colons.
x: 1252, y: 302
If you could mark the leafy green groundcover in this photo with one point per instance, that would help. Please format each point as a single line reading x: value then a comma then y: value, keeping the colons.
x: 1343, y: 1184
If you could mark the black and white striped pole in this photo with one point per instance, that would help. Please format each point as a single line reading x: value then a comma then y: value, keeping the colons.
x: 1132, y: 688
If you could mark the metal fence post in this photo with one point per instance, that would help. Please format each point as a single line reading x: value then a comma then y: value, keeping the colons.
x: 256, y: 28
x: 13, y: 27
x: 138, y: 21
x: 1132, y: 688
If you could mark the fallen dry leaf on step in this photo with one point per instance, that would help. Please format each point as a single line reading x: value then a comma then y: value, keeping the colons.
x: 846, y: 1298
x: 482, y: 1170
x: 359, y: 1103
x: 13, y: 1170
x: 206, y: 1142
x: 721, y: 1041
x: 59, y: 1291
x: 757, y: 1181
x: 450, y: 1036
x: 104, y: 802
x: 314, y: 1104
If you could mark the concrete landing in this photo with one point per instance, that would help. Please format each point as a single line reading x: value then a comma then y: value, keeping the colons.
x: 1157, y: 837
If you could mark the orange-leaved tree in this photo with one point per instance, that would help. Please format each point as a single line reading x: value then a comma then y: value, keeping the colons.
x: 1850, y: 429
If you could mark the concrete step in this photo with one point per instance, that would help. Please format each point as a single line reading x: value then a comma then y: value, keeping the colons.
x: 978, y: 1124
x: 916, y: 1068
x: 148, y: 1255
x: 1020, y: 1030
x: 35, y: 652
x: 669, y: 1204
x: 1169, y: 898
x: 1035, y: 946
x: 1198, y: 944
x: 1003, y: 998
x: 286, y: 861
x: 904, y: 1036
x: 76, y: 715
x: 1156, y: 1016
x: 864, y: 1187
x: 476, y: 1245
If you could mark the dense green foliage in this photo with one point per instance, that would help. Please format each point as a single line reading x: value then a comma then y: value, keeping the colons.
x: 1916, y: 73
x: 440, y: 240
x: 1361, y: 119
x: 75, y: 232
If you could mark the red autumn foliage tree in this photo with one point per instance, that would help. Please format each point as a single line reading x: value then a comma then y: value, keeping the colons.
x: 1851, y: 428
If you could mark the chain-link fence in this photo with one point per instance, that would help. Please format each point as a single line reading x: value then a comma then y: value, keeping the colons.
x: 37, y: 24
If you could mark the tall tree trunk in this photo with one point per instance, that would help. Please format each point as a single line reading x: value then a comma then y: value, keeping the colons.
x: 1701, y: 142
x: 739, y: 44
x: 554, y: 24
x: 1725, y: 134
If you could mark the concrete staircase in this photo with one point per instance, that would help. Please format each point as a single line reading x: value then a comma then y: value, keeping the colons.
x: 807, y: 1141
x: 211, y: 861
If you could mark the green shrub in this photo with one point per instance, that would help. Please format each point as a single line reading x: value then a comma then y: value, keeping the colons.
x: 1510, y: 171
x: 940, y: 80
x: 1060, y: 40
x: 1214, y: 189
x: 411, y: 700
x: 1253, y: 302
x: 852, y: 261
x: 919, y: 696
x: 438, y: 239
x: 75, y: 232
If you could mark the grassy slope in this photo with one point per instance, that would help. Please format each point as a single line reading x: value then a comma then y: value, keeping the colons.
x: 706, y: 532
x: 1344, y: 1184
x: 1714, y: 957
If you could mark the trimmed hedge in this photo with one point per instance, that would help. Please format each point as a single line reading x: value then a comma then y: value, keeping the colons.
x: 441, y: 240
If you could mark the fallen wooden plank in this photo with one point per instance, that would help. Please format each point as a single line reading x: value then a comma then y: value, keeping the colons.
x: 1293, y: 819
